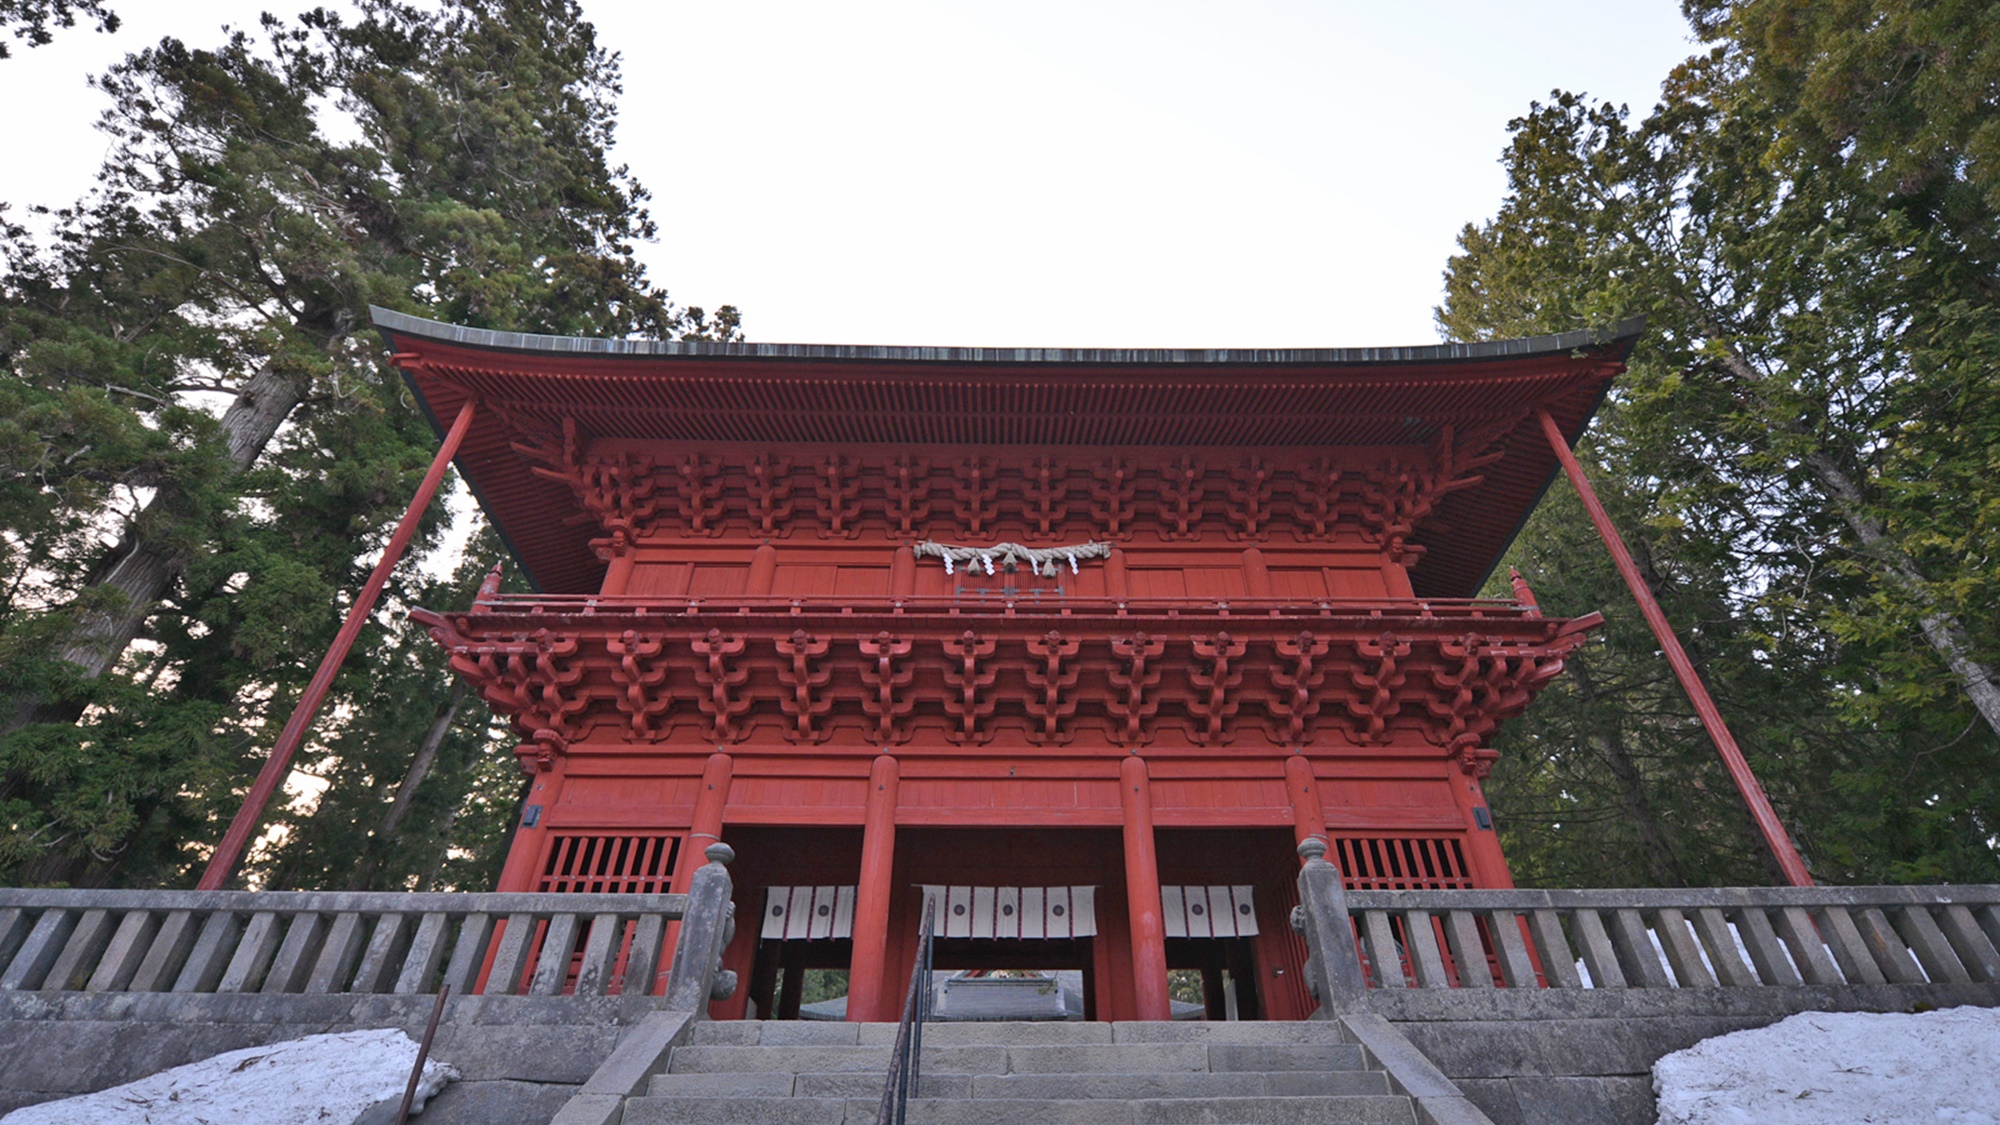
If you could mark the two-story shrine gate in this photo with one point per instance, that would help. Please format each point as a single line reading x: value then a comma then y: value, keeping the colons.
x: 777, y: 607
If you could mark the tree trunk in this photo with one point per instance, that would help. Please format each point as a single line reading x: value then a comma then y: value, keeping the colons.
x: 1661, y: 865
x: 1942, y: 629
x: 406, y: 793
x: 144, y: 567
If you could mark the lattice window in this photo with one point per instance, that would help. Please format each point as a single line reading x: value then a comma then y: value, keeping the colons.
x: 604, y: 864
x: 1397, y: 863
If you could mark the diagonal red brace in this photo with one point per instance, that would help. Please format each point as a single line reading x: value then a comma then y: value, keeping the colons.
x: 1761, y: 811
x: 222, y: 865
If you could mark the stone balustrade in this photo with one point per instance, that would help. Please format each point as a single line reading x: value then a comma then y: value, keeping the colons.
x: 1729, y: 937
x: 1688, y: 939
x: 280, y: 942
x: 330, y: 942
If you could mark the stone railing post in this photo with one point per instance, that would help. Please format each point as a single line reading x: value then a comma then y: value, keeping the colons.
x: 698, y: 976
x: 1333, y: 971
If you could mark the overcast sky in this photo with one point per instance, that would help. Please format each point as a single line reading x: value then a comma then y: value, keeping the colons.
x: 1060, y: 174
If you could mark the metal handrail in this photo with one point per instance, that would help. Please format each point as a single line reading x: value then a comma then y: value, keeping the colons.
x: 906, y: 1057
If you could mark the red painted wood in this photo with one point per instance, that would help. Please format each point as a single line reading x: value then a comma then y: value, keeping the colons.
x: 1302, y: 788
x: 867, y: 999
x: 728, y: 554
x: 1142, y: 888
x: 704, y: 828
x: 222, y: 864
x: 1766, y: 818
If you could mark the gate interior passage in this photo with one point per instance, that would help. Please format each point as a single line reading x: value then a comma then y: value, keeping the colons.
x: 1135, y: 621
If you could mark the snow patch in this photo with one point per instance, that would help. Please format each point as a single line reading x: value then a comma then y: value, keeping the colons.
x: 318, y: 1080
x: 1827, y: 1067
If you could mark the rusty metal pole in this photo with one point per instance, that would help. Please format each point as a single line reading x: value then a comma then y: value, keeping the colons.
x: 229, y: 852
x: 1761, y: 811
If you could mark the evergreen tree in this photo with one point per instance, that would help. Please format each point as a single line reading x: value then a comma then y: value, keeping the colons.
x: 207, y: 448
x: 33, y: 20
x: 1801, y: 449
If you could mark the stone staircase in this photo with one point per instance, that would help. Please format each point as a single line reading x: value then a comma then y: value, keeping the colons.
x: 800, y: 1073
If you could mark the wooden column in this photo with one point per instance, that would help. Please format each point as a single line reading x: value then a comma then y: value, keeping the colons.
x: 618, y: 572
x: 902, y: 573
x: 1747, y: 785
x: 763, y: 570
x: 1116, y: 583
x: 1482, y: 845
x: 524, y: 850
x: 1142, y: 893
x: 1256, y: 575
x: 705, y: 828
x: 867, y: 975
x: 278, y: 766
x: 1308, y: 817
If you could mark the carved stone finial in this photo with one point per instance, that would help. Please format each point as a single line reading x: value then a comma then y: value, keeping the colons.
x: 1312, y: 849
x: 720, y: 853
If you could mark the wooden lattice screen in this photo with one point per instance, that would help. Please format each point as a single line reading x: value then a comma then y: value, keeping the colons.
x: 606, y: 864
x: 1400, y: 863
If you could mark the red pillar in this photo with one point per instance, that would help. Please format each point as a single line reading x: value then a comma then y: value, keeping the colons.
x: 1482, y: 843
x: 618, y: 572
x: 867, y: 973
x: 1142, y: 893
x: 524, y: 851
x: 1761, y: 811
x: 763, y: 570
x: 704, y: 828
x: 1308, y: 817
x: 222, y: 865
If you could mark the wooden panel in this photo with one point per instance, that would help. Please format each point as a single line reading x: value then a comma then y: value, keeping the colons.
x: 1026, y: 794
x: 805, y: 794
x: 1386, y: 793
x: 1345, y: 582
x: 1154, y: 582
x: 661, y: 579
x: 861, y: 581
x: 710, y: 580
x: 671, y: 799
x: 1220, y: 793
x: 803, y: 581
x: 1216, y: 582
x: 1298, y: 583
x: 1088, y: 582
x: 932, y: 581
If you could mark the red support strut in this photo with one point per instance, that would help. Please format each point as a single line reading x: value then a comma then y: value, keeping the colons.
x: 1761, y: 811
x: 222, y: 865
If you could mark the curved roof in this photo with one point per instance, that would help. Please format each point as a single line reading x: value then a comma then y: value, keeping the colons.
x: 700, y: 391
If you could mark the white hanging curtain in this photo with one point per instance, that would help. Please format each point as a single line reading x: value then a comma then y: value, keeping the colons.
x: 1027, y: 913
x: 1208, y: 911
x: 808, y: 913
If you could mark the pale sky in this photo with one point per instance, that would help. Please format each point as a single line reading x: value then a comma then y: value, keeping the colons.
x: 1039, y: 174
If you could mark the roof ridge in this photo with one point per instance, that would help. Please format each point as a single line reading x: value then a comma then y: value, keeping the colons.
x: 1618, y: 337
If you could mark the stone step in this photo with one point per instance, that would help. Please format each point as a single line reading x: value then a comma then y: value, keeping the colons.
x: 831, y: 1060
x: 857, y: 1084
x: 805, y: 1033
x: 1357, y: 1110
x: 1247, y: 1084
x: 1087, y: 1058
x: 740, y: 1111
x: 1335, y: 1083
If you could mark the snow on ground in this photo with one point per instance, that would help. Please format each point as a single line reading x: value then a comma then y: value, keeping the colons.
x: 1818, y: 1068
x: 318, y: 1080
